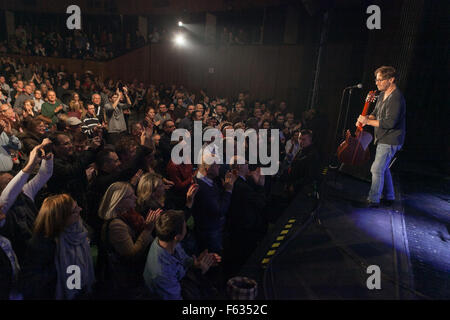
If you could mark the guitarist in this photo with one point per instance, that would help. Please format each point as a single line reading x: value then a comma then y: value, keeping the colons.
x: 388, y: 120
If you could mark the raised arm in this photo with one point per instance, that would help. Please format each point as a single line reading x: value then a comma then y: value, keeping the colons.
x: 44, y: 174
x: 16, y: 185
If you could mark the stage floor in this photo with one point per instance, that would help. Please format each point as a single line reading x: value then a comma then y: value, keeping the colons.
x: 329, y: 258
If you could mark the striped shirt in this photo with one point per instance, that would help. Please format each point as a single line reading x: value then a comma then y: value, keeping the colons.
x: 89, y: 123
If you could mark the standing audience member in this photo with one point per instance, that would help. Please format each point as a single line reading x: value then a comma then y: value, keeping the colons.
x: 59, y: 241
x: 167, y: 264
x: 17, y: 199
x: 126, y: 237
x: 211, y: 205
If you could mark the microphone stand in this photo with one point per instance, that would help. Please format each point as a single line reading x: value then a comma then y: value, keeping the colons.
x: 339, y: 117
x: 348, y: 107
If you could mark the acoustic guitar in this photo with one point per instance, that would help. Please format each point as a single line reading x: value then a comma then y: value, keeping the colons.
x: 354, y: 150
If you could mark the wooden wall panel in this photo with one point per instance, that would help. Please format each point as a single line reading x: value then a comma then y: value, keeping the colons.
x: 265, y: 71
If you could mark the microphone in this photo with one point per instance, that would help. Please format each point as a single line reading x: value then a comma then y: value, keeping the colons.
x: 359, y: 86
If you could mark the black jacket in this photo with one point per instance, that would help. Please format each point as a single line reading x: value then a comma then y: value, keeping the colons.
x: 19, y: 224
x: 305, y: 168
x: 246, y: 217
x: 38, y: 272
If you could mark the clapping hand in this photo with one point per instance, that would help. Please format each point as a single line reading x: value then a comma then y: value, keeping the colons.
x: 229, y: 181
x: 206, y: 260
x: 151, y: 218
x: 168, y: 184
x: 258, y: 177
x: 58, y: 108
x: 190, y: 195
x: 135, y: 179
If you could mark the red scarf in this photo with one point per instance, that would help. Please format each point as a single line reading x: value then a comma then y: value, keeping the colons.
x: 134, y: 220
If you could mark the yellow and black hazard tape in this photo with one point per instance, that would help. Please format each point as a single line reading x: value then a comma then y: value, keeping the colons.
x: 280, y: 238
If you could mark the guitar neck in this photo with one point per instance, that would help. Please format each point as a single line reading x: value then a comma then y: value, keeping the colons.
x: 369, y: 99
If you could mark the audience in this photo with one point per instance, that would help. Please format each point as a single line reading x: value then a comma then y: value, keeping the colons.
x: 86, y: 164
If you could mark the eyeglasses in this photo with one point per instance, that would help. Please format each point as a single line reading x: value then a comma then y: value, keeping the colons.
x: 379, y: 80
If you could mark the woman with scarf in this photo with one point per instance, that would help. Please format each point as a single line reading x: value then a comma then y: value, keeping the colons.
x: 58, y: 254
x: 126, y: 236
x: 151, y: 195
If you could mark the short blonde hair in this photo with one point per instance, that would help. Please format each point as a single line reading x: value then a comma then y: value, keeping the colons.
x: 53, y: 215
x: 147, y: 185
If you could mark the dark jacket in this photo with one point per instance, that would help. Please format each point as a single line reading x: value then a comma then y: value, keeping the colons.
x: 391, y: 115
x: 305, y: 168
x: 6, y: 276
x: 38, y: 272
x: 210, y: 207
x: 19, y: 224
x: 246, y: 217
x: 69, y: 176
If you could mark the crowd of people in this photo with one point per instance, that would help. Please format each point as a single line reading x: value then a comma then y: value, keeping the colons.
x: 73, y: 44
x: 88, y: 186
x: 80, y: 44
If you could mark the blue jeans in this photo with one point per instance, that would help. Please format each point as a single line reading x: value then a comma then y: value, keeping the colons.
x: 381, y: 175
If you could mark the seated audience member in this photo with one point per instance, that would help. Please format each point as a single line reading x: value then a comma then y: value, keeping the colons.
x: 52, y: 107
x: 8, y: 143
x: 126, y: 236
x: 59, y: 241
x: 246, y: 222
x: 167, y: 263
x: 17, y: 199
x: 211, y: 205
x: 306, y: 164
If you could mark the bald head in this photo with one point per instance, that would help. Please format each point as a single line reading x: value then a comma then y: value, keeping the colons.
x: 96, y: 99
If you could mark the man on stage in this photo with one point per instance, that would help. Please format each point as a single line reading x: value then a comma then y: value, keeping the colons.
x: 388, y: 119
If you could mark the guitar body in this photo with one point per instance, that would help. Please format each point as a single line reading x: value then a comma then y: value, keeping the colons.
x: 355, y: 150
x: 351, y: 152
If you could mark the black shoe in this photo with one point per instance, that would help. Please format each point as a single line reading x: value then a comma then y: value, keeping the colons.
x: 370, y: 204
x: 388, y: 203
x: 367, y: 204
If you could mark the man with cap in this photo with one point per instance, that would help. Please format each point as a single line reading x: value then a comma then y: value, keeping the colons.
x: 73, y: 124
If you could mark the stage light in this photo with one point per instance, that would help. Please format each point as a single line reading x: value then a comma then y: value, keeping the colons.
x: 180, y: 40
x: 180, y: 23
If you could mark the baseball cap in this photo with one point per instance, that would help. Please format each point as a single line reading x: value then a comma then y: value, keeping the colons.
x: 73, y: 121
